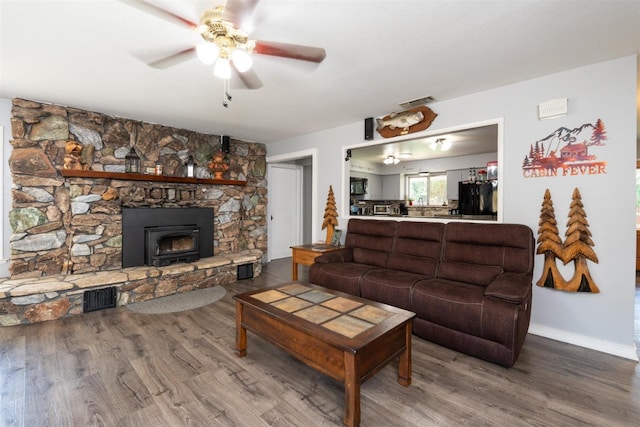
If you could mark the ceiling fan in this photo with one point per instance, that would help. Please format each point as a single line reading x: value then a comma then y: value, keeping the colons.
x: 225, y: 43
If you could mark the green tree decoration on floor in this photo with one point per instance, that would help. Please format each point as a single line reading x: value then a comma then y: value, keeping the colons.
x: 549, y: 244
x: 577, y: 247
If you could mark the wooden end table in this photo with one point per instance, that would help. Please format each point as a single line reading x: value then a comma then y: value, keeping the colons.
x: 345, y: 337
x: 306, y: 254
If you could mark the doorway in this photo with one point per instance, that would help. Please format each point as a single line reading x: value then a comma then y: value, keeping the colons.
x: 284, y: 209
x: 290, y: 211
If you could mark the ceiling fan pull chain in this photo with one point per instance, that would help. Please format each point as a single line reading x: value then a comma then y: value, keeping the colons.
x: 226, y: 98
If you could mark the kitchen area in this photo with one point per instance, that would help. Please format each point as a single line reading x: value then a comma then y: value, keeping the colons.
x: 476, y: 199
x: 459, y: 184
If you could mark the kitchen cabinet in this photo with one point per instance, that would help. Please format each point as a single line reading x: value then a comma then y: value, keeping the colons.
x: 453, y: 178
x: 392, y: 187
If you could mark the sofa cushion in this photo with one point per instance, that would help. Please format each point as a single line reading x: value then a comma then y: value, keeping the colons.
x: 451, y: 304
x: 387, y: 286
x: 474, y: 274
x: 509, y: 246
x: 417, y: 247
x: 371, y: 241
x: 341, y: 276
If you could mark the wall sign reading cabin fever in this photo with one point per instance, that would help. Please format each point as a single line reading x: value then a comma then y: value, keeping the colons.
x: 561, y: 153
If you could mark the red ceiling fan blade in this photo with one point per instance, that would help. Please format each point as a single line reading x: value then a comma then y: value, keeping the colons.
x: 151, y: 8
x: 237, y: 11
x: 292, y: 51
x: 247, y: 80
x: 174, y: 59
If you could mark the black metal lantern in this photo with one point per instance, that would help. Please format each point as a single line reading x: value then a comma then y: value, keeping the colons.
x: 190, y: 166
x: 132, y: 162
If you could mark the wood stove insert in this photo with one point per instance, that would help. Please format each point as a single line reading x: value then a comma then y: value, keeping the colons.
x: 160, y: 236
x: 165, y: 245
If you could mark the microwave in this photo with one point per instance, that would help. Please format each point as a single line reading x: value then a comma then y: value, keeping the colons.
x: 382, y: 209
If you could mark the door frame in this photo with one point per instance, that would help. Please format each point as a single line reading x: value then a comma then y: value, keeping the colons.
x: 280, y: 158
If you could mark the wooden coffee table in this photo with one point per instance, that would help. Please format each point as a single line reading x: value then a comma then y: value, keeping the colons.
x: 345, y: 337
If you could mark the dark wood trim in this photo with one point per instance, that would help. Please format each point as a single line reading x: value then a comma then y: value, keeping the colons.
x: 73, y: 173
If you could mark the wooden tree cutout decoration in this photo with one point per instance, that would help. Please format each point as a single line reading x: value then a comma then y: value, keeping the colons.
x: 576, y: 247
x: 330, y: 216
x: 549, y: 244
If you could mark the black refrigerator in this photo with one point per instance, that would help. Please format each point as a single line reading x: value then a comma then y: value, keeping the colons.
x: 478, y: 198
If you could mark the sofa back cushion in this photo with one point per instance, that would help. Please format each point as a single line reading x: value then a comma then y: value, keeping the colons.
x: 417, y: 248
x: 370, y: 240
x: 476, y: 253
x: 474, y: 274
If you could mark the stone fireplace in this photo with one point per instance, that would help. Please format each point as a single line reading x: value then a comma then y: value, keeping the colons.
x: 67, y: 225
x: 161, y: 236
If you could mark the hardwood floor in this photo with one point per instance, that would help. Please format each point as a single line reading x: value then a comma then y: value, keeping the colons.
x: 118, y: 368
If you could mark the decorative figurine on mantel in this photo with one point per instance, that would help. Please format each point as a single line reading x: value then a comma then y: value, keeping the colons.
x: 218, y: 165
x: 74, y: 157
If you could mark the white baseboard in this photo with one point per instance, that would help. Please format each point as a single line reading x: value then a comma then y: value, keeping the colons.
x: 626, y: 351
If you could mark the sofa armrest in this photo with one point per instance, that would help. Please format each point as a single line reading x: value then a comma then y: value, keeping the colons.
x: 340, y: 255
x: 511, y: 287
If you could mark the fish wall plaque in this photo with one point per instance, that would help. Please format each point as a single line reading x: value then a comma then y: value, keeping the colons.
x: 405, y: 122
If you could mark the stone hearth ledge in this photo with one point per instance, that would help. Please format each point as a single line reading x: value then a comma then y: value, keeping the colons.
x: 30, y: 300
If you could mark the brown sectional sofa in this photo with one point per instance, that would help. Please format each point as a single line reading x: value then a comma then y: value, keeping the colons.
x: 469, y: 283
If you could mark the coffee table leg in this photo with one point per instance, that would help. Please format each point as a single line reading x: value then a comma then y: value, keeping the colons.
x: 294, y: 269
x: 404, y: 366
x: 351, y: 390
x: 241, y: 332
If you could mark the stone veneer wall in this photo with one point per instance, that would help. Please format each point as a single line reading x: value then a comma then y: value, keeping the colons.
x: 74, y: 225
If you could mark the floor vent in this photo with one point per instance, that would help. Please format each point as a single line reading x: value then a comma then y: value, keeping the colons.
x: 99, y: 299
x: 245, y: 271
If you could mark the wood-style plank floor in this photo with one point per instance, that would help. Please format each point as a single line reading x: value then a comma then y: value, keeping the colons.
x: 117, y: 368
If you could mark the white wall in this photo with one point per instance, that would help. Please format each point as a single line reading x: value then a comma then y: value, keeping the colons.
x: 607, y: 90
x: 5, y: 183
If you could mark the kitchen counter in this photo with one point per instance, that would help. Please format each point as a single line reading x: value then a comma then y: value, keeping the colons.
x: 449, y: 217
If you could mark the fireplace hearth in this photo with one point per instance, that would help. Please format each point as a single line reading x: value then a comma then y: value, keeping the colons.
x: 161, y: 236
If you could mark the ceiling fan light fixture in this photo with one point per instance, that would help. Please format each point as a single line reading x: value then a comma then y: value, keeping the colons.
x: 222, y: 69
x: 241, y: 60
x: 207, y: 53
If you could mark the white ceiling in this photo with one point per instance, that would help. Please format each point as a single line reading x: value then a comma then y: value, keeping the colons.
x: 478, y: 140
x: 85, y: 54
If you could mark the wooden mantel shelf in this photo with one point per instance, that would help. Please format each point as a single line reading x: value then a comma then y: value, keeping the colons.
x: 72, y: 173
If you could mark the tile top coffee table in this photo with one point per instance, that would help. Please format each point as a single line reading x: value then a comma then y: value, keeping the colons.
x: 343, y: 336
